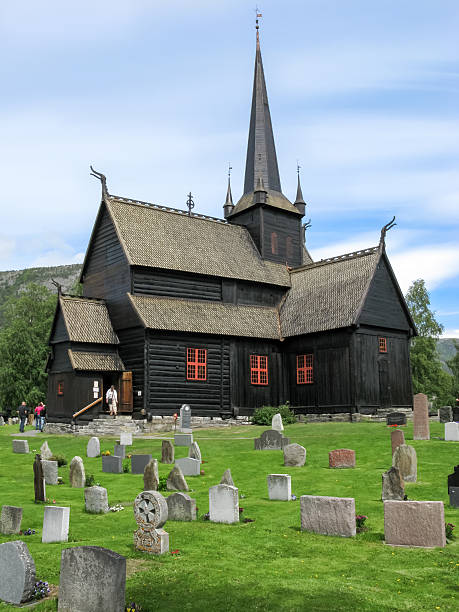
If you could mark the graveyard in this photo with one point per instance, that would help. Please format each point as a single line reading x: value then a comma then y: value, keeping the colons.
x: 267, y: 562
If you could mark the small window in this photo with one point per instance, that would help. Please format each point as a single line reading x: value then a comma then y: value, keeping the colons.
x: 196, y: 364
x: 382, y: 345
x: 258, y: 369
x: 274, y: 244
x: 289, y: 247
x: 60, y: 387
x: 304, y: 369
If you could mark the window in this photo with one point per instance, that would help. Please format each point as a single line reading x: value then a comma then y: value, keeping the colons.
x: 258, y: 369
x: 382, y: 345
x: 289, y: 247
x: 196, y: 364
x: 274, y: 244
x: 60, y: 387
x: 304, y: 369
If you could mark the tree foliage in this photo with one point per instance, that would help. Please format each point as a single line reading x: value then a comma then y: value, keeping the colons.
x: 24, y: 346
x: 428, y: 374
x: 453, y: 364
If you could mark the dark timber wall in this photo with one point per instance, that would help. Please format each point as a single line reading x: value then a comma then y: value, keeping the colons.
x: 170, y: 283
x: 132, y: 351
x: 285, y: 225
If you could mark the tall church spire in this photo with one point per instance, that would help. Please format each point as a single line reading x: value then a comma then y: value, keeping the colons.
x: 261, y: 151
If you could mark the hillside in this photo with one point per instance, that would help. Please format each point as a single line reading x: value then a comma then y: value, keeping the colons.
x: 446, y: 350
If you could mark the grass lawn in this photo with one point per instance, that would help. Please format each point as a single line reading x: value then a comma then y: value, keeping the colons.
x: 268, y: 564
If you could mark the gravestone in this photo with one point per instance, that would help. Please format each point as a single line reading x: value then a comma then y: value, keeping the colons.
x: 421, y: 427
x: 17, y: 572
x: 406, y: 461
x: 224, y: 504
x: 328, y: 515
x: 454, y: 497
x: 125, y: 439
x: 93, y: 447
x: 92, y: 578
x: 276, y: 423
x: 445, y: 414
x: 341, y: 458
x: 414, y: 523
x: 452, y: 432
x: 271, y: 440
x: 279, y: 487
x: 393, y: 486
x: 150, y: 512
x: 195, y: 452
x: 397, y: 437
x: 96, y: 500
x: 227, y: 478
x: 45, y: 451
x: 39, y: 480
x: 151, y: 476
x: 396, y: 418
x: 112, y: 465
x: 139, y: 463
x: 183, y: 439
x: 49, y: 471
x: 176, y: 480
x: 10, y: 421
x: 181, y: 507
x: 77, y: 476
x: 10, y: 520
x: 453, y: 479
x: 189, y: 466
x: 294, y: 455
x: 2, y: 421
x: 167, y: 452
x: 21, y: 447
x: 55, y: 524
x: 119, y: 450
x: 185, y: 419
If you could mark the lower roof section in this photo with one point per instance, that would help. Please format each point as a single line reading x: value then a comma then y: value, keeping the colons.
x: 98, y: 362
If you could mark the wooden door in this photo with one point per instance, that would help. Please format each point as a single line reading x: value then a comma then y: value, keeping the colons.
x: 385, y: 399
x: 126, y: 399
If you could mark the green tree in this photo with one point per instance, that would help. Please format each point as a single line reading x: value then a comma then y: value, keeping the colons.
x: 453, y: 364
x: 428, y: 374
x: 24, y: 346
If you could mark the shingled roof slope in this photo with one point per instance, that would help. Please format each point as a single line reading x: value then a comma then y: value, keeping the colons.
x: 327, y: 295
x: 207, y: 317
x: 87, y: 320
x: 99, y: 362
x: 155, y: 237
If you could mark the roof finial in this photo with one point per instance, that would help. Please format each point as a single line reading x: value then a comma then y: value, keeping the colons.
x: 257, y: 27
x: 384, y: 230
x: 58, y: 287
x: 102, y: 178
x: 190, y: 203
x: 299, y: 201
x: 228, y: 206
x: 305, y: 228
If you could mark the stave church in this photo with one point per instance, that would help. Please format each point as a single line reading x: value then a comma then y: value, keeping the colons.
x: 228, y: 314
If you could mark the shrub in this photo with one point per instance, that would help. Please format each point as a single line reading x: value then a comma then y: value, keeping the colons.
x: 90, y: 481
x: 264, y: 415
x: 61, y: 460
x: 449, y: 528
x: 126, y: 468
x: 162, y: 485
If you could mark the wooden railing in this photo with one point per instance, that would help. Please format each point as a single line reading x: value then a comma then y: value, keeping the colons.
x: 87, y: 407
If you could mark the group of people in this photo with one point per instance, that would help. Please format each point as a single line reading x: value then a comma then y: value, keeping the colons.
x: 27, y: 415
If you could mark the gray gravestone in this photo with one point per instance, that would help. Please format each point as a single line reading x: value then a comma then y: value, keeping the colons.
x: 21, y: 447
x: 55, y: 524
x: 45, y: 451
x: 17, y: 572
x: 77, y: 476
x: 224, y: 504
x: 92, y: 578
x: 227, y: 478
x: 139, y: 463
x: 195, y: 452
x: 96, y: 500
x: 453, y: 479
x: 454, y: 497
x: 328, y: 515
x: 125, y: 439
x: 181, y: 507
x: 189, y: 466
x: 393, y: 486
x: 185, y: 419
x: 445, y: 414
x: 49, y: 471
x: 112, y: 465
x: 414, y: 523
x: 167, y: 452
x: 39, y: 480
x: 405, y: 460
x: 294, y: 455
x: 119, y: 451
x: 151, y: 476
x: 93, y: 447
x: 271, y: 440
x: 183, y: 439
x: 2, y: 421
x: 279, y: 487
x: 396, y: 418
x: 10, y: 520
x: 176, y: 480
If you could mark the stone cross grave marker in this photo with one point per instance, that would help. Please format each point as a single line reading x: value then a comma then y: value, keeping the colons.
x: 55, y: 524
x: 10, y: 520
x: 17, y: 572
x: 185, y: 418
x: 414, y: 523
x: 406, y: 461
x: 151, y: 513
x: 224, y: 504
x: 328, y: 515
x: 39, y: 480
x: 181, y: 507
x: 421, y: 427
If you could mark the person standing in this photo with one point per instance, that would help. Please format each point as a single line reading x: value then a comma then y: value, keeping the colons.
x: 39, y: 416
x: 23, y: 412
x: 112, y: 401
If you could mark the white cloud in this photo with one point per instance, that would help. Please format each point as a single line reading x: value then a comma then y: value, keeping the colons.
x: 450, y: 333
x: 434, y: 263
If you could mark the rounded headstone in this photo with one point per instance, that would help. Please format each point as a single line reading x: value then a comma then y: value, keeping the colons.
x: 93, y: 447
x: 77, y: 477
x: 96, y: 500
x: 150, y: 509
x: 294, y: 455
x: 17, y: 572
x: 276, y: 423
x: 181, y: 507
x: 151, y: 476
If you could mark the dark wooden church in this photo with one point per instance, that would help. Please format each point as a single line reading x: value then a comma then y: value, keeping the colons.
x: 228, y: 314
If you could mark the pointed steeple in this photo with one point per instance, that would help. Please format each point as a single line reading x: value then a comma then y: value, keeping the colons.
x: 299, y: 201
x: 261, y: 151
x: 228, y: 206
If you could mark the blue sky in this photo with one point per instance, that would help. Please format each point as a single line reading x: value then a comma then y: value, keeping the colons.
x: 157, y: 96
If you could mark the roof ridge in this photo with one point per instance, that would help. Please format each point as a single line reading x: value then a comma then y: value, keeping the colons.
x: 336, y: 259
x: 81, y: 298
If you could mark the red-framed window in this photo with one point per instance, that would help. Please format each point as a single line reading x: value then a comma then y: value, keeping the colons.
x: 304, y: 369
x: 274, y: 243
x: 258, y: 369
x: 289, y: 247
x: 60, y: 387
x: 382, y: 345
x: 196, y: 364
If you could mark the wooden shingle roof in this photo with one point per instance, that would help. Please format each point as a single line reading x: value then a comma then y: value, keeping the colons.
x: 98, y: 362
x: 87, y: 320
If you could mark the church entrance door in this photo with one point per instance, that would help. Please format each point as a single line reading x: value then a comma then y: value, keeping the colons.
x: 385, y: 399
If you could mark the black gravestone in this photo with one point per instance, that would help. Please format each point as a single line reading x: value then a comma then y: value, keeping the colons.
x: 454, y: 497
x: 39, y: 480
x: 453, y: 479
x: 396, y: 418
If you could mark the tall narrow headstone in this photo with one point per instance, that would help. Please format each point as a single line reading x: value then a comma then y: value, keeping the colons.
x: 414, y: 523
x: 39, y: 480
x: 397, y: 437
x: 93, y: 447
x: 224, y: 504
x: 406, y: 461
x: 10, y: 520
x: 92, y: 578
x: 45, y: 451
x: 55, y: 524
x: 185, y: 418
x: 167, y: 452
x: 151, y: 476
x: 77, y: 477
x: 276, y: 423
x: 454, y: 497
x: 421, y: 428
x: 195, y: 452
x: 2, y: 421
x: 393, y: 486
x: 151, y: 512
x: 17, y: 572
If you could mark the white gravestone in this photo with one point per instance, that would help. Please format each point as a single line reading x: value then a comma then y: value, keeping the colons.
x: 279, y: 487
x: 189, y: 466
x: 125, y: 439
x: 224, y: 504
x: 55, y: 524
x: 276, y: 423
x: 93, y: 447
x: 452, y: 432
